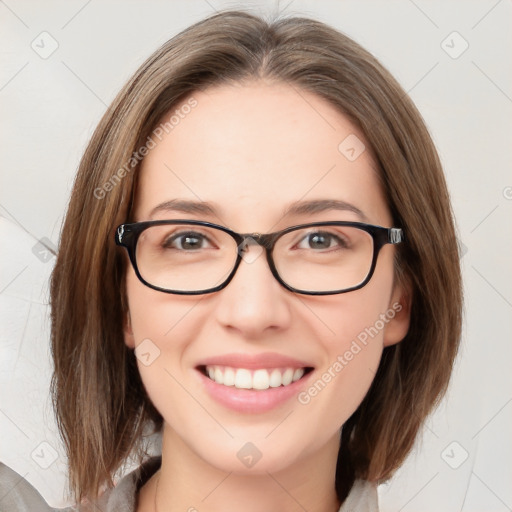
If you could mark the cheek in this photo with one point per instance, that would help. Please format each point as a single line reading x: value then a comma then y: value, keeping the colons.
x: 341, y: 383
x: 163, y: 326
x: 163, y: 316
x: 353, y: 347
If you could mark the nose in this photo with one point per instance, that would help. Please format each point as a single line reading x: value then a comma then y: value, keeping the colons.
x: 253, y: 302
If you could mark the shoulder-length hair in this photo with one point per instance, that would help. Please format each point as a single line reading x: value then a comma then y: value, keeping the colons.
x: 101, y: 405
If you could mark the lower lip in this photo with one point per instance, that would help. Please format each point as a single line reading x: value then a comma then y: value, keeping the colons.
x: 250, y: 400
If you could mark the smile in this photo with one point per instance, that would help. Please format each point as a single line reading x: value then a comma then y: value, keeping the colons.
x: 256, y: 379
x: 253, y: 383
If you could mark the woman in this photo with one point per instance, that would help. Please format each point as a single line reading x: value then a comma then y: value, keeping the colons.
x: 258, y: 261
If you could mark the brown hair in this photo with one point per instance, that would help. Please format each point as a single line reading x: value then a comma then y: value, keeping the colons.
x: 100, y: 402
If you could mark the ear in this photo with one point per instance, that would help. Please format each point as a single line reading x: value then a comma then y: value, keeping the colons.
x: 400, y: 304
x: 129, y: 338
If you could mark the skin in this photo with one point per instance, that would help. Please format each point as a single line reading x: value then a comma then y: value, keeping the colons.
x: 252, y: 149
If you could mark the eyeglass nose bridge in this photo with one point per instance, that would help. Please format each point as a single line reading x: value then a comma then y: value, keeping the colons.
x: 263, y: 240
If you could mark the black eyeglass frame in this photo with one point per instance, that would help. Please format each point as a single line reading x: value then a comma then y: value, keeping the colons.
x: 127, y: 236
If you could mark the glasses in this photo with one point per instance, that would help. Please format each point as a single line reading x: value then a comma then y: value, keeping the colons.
x: 190, y: 257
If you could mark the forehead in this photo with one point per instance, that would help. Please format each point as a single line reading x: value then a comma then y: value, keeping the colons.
x: 252, y: 150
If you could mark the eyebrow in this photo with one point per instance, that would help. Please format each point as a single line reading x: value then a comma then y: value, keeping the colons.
x: 296, y: 208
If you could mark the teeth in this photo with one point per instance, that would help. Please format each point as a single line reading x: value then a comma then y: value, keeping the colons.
x: 243, y: 378
x: 287, y: 376
x: 261, y: 379
x: 297, y: 374
x: 218, y: 376
x: 229, y: 377
x: 275, y: 378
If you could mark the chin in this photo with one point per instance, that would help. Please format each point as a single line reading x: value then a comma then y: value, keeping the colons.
x: 247, y: 458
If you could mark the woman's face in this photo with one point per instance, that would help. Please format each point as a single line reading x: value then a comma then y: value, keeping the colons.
x: 251, y: 151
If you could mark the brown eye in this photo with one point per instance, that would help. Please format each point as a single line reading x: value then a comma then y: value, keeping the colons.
x: 321, y: 240
x: 186, y: 241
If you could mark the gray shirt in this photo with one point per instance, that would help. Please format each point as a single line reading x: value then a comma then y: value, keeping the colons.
x: 17, y: 495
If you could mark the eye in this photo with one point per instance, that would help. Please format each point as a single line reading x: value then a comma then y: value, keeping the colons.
x: 186, y: 241
x: 321, y: 240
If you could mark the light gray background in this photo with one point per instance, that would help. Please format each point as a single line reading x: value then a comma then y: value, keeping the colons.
x: 50, y: 106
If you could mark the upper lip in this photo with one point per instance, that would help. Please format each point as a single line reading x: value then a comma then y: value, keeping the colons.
x: 254, y: 361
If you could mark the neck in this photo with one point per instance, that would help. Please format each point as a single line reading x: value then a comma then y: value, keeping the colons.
x: 187, y: 482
